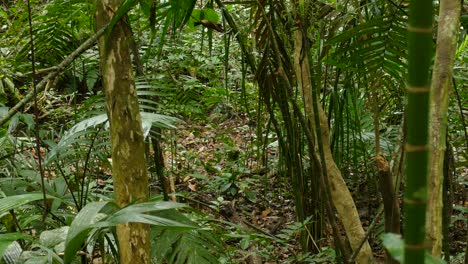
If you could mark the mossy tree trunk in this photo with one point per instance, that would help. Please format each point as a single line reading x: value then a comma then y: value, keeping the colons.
x: 129, y: 170
x: 417, y: 111
x: 447, y: 35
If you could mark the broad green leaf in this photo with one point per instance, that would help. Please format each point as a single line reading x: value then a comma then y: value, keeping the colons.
x: 85, y: 124
x: 211, y: 15
x: 93, y: 216
x: 122, y: 11
x: 13, y: 202
x: 51, y: 238
x: 16, y: 186
x: 161, y: 121
x: 196, y: 14
x: 145, y: 6
x: 461, y: 209
x: 145, y: 219
x: 138, y: 213
x: 7, y: 239
x: 182, y: 10
x: 150, y: 207
x: 172, y: 246
x: 74, y: 135
x: 225, y: 186
x: 251, y: 196
x: 245, y: 243
x: 81, y: 226
x: 394, y: 245
x: 28, y: 120
x: 156, y: 119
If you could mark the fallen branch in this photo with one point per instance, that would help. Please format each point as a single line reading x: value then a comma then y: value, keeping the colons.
x: 58, y: 70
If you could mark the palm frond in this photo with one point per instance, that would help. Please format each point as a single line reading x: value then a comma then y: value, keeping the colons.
x: 103, y: 215
x: 373, y: 49
x: 180, y: 247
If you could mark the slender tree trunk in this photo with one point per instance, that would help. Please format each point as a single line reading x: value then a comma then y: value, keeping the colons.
x: 417, y: 112
x: 129, y: 170
x: 390, y: 200
x: 449, y: 13
x: 342, y: 199
x: 385, y: 179
x: 447, y: 198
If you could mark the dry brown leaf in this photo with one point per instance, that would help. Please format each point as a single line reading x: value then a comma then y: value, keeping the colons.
x: 266, y: 212
x: 100, y: 182
x: 192, y: 187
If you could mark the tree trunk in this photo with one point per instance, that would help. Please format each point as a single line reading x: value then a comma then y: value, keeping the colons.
x: 342, y: 199
x: 129, y: 170
x: 449, y: 13
x: 390, y: 200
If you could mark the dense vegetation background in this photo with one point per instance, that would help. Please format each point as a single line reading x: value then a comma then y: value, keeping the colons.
x: 274, y: 131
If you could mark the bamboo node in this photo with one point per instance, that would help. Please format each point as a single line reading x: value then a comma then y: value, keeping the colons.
x: 416, y: 148
x: 418, y: 89
x: 415, y: 246
x: 419, y: 29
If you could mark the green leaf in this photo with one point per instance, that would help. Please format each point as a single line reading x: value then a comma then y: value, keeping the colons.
x: 172, y: 246
x: 105, y: 214
x: 51, y: 238
x: 251, y: 196
x: 28, y: 120
x: 245, y: 242
x: 211, y: 15
x: 225, y: 186
x: 461, y: 208
x: 196, y: 14
x: 161, y: 121
x: 429, y: 259
x: 122, y: 11
x: 13, y: 202
x: 394, y: 245
x: 145, y: 219
x: 158, y: 120
x: 85, y: 124
x: 7, y: 239
x: 81, y: 226
x: 181, y: 10
x: 139, y: 213
x: 145, y: 6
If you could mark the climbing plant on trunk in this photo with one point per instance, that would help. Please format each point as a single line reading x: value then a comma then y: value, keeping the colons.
x: 417, y: 111
x: 129, y: 170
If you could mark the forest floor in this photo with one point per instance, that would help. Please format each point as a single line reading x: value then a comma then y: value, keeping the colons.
x: 215, y: 167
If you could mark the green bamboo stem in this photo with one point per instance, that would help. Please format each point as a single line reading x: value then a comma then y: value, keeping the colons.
x: 417, y: 111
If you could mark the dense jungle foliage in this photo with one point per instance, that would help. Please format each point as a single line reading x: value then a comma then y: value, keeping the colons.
x: 274, y: 131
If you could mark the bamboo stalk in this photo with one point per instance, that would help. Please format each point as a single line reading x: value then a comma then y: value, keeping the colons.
x: 417, y: 111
